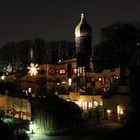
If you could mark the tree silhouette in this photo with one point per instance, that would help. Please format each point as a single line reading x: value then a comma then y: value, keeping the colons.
x: 118, y: 43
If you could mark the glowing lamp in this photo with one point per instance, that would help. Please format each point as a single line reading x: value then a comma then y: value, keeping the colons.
x: 33, y: 69
x: 31, y: 127
x: 108, y: 111
x: 2, y: 77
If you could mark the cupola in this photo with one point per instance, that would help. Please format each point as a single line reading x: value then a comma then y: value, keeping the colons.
x: 83, y: 28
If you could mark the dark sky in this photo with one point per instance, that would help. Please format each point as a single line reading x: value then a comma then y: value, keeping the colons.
x: 56, y: 19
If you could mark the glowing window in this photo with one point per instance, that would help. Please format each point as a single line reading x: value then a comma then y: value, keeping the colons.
x: 74, y: 71
x: 69, y: 81
x: 95, y: 103
x: 101, y: 103
x: 84, y: 105
x: 99, y: 79
x: 63, y: 81
x: 90, y: 104
x: 62, y: 71
x: 29, y: 90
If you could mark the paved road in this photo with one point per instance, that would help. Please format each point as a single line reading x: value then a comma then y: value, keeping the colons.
x: 85, y: 133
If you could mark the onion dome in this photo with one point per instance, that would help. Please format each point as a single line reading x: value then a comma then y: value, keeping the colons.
x: 83, y: 28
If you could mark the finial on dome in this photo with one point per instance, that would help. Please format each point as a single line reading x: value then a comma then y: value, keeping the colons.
x: 82, y: 15
x: 83, y: 28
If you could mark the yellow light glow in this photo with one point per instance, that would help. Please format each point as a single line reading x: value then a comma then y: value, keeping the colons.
x: 69, y: 81
x: 29, y: 90
x: 120, y: 110
x: 101, y: 103
x: 2, y: 77
x: 33, y: 69
x: 100, y: 79
x: 77, y: 34
x: 108, y: 111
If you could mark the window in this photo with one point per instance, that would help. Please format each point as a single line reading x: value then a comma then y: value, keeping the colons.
x: 51, y: 71
x: 62, y: 71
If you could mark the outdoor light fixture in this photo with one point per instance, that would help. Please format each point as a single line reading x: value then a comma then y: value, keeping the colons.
x: 33, y: 69
x: 2, y: 77
x: 31, y: 127
x: 108, y: 112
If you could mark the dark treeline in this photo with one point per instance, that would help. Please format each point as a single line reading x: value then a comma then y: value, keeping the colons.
x: 39, y: 51
x: 120, y: 46
x: 119, y: 42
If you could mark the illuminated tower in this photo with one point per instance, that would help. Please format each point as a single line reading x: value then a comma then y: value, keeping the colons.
x: 83, y: 41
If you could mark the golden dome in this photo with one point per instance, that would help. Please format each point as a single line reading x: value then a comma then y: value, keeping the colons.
x: 83, y: 28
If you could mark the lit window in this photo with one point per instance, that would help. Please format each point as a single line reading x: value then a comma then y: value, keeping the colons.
x: 119, y: 110
x: 57, y: 84
x: 117, y: 77
x: 69, y: 81
x: 62, y: 71
x: 104, y: 89
x: 74, y: 71
x: 101, y: 103
x: 84, y: 105
x: 29, y: 90
x: 57, y: 71
x: 108, y: 111
x: 99, y: 79
x: 95, y: 103
x: 90, y: 104
x: 63, y: 80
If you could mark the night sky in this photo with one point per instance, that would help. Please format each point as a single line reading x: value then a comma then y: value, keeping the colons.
x: 56, y: 19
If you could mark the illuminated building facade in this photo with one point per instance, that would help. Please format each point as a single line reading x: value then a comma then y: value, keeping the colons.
x: 74, y: 79
x: 15, y: 107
